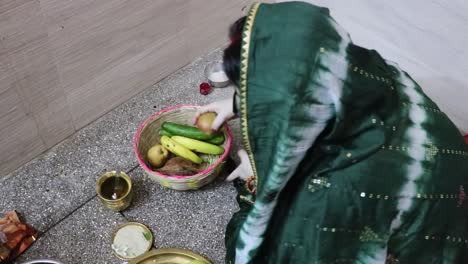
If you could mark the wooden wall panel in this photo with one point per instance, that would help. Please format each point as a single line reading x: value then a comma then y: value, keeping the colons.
x: 117, y: 85
x: 64, y: 63
x: 210, y: 21
x: 7, y: 78
x: 19, y: 140
x: 7, y: 5
x: 21, y: 144
x: 25, y: 40
x: 32, y: 76
x: 99, y: 48
x: 11, y: 109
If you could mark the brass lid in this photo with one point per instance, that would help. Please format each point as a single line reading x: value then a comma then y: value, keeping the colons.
x: 169, y: 256
x: 146, y: 234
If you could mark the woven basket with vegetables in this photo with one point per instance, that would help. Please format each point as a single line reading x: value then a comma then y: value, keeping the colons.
x: 177, y: 154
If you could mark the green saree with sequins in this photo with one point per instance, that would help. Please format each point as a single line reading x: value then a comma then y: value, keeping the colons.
x: 353, y: 162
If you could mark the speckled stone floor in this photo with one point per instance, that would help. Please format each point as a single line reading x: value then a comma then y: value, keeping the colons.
x: 56, y: 192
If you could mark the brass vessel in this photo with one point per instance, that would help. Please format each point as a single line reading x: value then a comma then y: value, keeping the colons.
x: 114, y: 189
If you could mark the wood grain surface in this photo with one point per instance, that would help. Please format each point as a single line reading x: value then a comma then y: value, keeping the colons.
x: 65, y: 63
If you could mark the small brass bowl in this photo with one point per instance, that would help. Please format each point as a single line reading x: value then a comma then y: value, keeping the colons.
x: 114, y: 189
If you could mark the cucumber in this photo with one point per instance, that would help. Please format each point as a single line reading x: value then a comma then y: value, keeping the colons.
x: 164, y: 132
x: 217, y: 140
x: 186, y: 131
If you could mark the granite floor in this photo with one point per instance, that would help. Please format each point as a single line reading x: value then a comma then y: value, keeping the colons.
x: 55, y: 193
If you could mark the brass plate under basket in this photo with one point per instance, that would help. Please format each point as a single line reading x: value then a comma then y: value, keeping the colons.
x: 169, y: 256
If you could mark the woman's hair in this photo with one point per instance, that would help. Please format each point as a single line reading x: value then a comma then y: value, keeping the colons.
x: 231, y: 56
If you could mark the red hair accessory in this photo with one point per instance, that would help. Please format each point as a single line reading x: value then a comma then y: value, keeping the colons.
x: 235, y: 39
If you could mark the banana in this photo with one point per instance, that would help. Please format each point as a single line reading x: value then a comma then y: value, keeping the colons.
x: 180, y: 150
x: 198, y: 146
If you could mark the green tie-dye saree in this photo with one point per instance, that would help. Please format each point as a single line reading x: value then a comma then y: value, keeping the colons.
x: 353, y: 162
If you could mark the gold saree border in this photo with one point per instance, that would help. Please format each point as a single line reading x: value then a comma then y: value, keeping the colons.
x: 249, y: 22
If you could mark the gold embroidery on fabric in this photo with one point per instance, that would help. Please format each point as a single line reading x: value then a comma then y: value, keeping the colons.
x: 429, y: 196
x: 243, y: 83
x: 368, y: 235
x: 431, y: 150
x: 319, y: 183
x: 454, y: 239
x: 335, y: 230
x: 365, y: 235
x: 370, y: 75
x: 244, y: 198
x: 431, y: 109
x: 322, y: 182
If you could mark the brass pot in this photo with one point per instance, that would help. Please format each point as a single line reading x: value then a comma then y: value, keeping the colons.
x: 114, y: 189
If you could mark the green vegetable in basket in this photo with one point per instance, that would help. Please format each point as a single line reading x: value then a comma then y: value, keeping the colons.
x: 164, y: 132
x: 186, y: 131
x: 217, y: 140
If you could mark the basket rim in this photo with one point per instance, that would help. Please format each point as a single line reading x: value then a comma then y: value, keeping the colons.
x: 169, y: 109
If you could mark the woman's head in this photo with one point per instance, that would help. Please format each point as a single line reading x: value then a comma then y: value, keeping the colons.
x: 231, y: 57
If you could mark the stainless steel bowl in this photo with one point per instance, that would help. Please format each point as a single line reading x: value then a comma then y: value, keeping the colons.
x: 216, y: 68
x: 43, y: 261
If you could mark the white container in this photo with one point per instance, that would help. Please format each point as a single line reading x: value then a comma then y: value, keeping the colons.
x: 215, y: 74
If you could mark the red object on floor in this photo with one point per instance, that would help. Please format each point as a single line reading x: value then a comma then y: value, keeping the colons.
x: 466, y: 139
x: 205, y: 88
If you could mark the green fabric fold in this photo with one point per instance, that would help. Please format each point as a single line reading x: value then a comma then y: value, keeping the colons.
x: 354, y: 163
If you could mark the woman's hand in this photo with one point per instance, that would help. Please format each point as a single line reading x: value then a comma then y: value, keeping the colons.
x: 244, y: 170
x: 223, y: 110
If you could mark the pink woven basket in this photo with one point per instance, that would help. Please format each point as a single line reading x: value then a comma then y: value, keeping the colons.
x: 148, y: 135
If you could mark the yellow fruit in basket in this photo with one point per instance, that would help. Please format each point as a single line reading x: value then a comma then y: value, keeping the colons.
x: 157, y: 155
x: 180, y: 150
x: 205, y: 121
x: 198, y: 146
